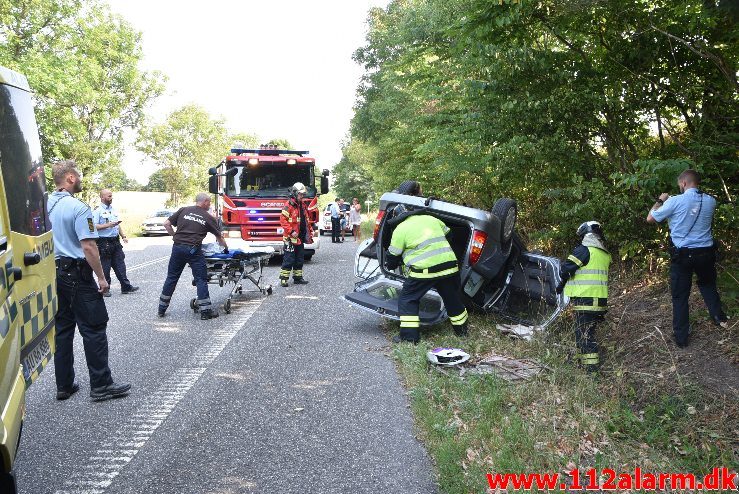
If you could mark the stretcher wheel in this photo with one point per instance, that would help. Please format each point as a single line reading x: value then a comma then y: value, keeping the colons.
x: 239, y: 289
x: 194, y: 304
x: 268, y: 290
x: 227, y: 306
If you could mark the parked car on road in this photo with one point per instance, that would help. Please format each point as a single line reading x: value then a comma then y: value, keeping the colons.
x: 324, y: 225
x: 499, y: 274
x: 154, y: 224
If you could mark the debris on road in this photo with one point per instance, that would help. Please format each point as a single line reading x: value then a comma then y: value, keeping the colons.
x: 447, y: 356
x: 518, y: 330
x: 508, y: 368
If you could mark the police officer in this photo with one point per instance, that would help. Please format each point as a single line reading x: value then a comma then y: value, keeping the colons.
x: 336, y: 215
x: 110, y: 234
x: 193, y: 224
x: 419, y: 242
x: 585, y: 280
x: 692, y: 250
x: 80, y: 299
x: 297, y: 232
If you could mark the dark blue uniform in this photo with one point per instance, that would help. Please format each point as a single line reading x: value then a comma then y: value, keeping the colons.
x: 80, y: 303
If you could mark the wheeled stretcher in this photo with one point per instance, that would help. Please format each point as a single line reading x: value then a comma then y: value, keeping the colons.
x: 235, y: 267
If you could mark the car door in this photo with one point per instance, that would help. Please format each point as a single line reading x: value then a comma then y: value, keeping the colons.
x: 379, y: 290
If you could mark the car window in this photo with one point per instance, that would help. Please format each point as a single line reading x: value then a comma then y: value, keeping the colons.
x: 22, y: 166
x: 162, y: 214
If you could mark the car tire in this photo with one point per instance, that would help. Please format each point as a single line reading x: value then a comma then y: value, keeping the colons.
x: 506, y: 211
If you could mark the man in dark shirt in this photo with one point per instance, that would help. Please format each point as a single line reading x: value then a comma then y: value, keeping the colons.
x: 193, y: 224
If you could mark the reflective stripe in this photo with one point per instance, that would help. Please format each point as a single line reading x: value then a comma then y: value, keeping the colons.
x: 590, y: 308
x: 423, y: 244
x: 427, y: 275
x: 590, y: 358
x: 460, y: 319
x: 285, y: 213
x: 429, y: 254
x: 409, y: 319
x: 592, y: 271
x: 396, y: 251
x: 588, y: 282
x: 575, y: 260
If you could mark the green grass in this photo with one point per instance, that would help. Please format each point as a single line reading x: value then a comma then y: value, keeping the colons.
x: 473, y: 425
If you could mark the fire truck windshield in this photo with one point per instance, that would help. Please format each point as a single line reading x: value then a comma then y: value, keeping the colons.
x: 272, y: 180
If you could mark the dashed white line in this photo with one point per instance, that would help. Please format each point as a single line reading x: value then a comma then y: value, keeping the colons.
x: 108, y: 461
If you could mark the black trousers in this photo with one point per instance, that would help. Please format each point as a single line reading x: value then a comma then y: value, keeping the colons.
x: 702, y: 262
x: 293, y: 261
x: 112, y: 255
x: 587, y: 346
x: 81, y: 305
x: 448, y: 287
x: 335, y: 229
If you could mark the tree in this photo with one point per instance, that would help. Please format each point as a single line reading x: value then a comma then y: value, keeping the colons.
x: 82, y: 61
x: 352, y: 175
x: 156, y: 182
x: 184, y: 147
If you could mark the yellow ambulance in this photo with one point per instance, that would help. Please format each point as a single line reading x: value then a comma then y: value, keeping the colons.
x: 27, y: 272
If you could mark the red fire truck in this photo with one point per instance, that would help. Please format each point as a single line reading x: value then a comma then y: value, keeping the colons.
x: 254, y: 184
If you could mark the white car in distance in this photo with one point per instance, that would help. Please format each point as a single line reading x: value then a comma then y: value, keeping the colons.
x: 154, y: 224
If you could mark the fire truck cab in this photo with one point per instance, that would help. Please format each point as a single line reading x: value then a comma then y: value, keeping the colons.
x: 254, y: 184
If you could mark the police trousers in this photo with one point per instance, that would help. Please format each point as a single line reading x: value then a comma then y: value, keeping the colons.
x: 702, y: 262
x: 112, y: 255
x: 81, y: 305
x: 450, y: 290
x: 181, y: 256
x: 293, y: 260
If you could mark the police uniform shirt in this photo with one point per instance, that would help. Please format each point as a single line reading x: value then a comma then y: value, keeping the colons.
x: 71, y: 221
x: 193, y: 224
x: 106, y: 214
x: 689, y: 216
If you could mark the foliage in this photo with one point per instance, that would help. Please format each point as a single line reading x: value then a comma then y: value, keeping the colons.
x: 82, y: 61
x: 156, y: 182
x: 579, y: 110
x: 183, y: 147
x: 353, y: 174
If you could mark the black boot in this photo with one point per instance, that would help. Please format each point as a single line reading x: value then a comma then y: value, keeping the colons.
x: 461, y: 330
x: 299, y: 281
x: 412, y: 335
x: 208, y: 314
x: 283, y: 282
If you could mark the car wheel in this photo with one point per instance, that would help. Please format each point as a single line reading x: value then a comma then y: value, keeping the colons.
x: 507, y: 212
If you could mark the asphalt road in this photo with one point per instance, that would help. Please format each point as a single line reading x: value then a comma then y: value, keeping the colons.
x: 290, y: 393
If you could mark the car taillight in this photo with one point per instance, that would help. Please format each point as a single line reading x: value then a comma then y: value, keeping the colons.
x: 478, y: 242
x: 378, y: 220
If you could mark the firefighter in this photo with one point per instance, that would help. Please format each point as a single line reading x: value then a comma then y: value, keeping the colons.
x: 585, y: 281
x: 297, y: 232
x: 419, y: 242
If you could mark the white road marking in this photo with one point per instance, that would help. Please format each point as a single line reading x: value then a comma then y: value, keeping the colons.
x: 307, y: 297
x: 145, y: 264
x: 109, y: 460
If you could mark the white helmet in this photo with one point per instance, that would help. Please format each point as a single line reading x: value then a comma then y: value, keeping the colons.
x: 299, y: 188
x: 447, y: 356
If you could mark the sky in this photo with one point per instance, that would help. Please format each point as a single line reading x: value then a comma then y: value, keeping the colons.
x: 274, y: 68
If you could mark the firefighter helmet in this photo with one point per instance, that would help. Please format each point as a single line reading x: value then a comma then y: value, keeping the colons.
x: 298, y: 188
x: 590, y: 227
x: 447, y: 356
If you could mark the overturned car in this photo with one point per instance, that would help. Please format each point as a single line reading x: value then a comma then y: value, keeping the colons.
x: 498, y: 273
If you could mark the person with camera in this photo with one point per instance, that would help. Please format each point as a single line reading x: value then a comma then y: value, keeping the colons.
x: 692, y: 250
x: 109, y: 239
x: 80, y: 300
